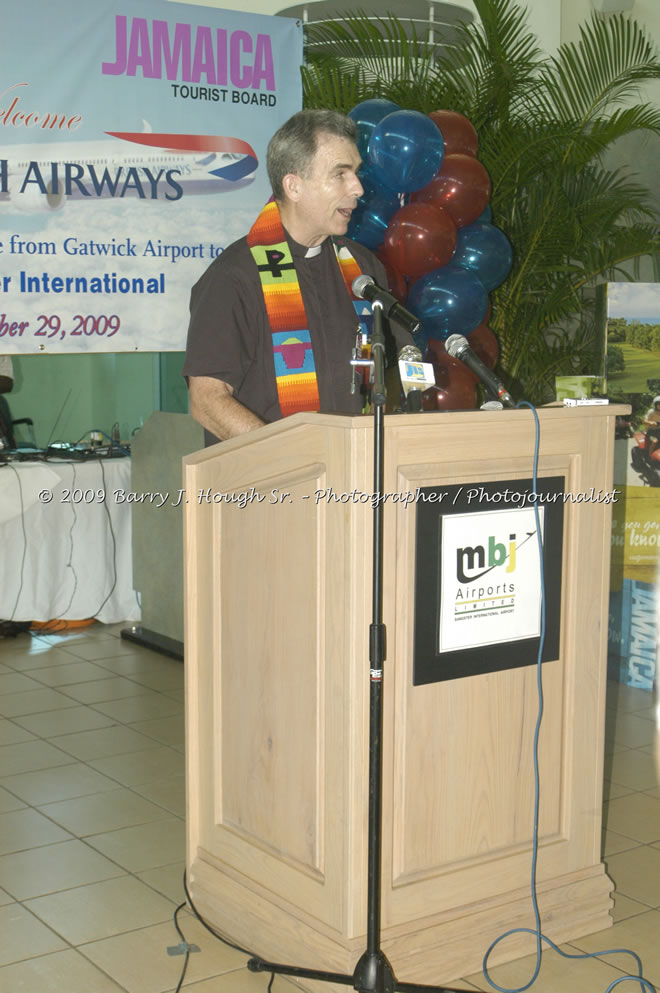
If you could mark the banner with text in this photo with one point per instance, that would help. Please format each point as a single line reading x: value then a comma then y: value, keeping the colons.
x: 133, y: 152
x: 632, y: 335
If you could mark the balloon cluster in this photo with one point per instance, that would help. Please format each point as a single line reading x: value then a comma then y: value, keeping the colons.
x: 425, y: 213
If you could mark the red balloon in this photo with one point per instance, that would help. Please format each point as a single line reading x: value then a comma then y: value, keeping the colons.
x: 461, y: 185
x: 454, y: 388
x: 458, y: 133
x: 419, y: 238
x: 396, y: 281
x: 483, y: 343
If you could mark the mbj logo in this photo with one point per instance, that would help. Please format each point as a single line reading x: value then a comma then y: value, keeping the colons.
x: 485, y: 558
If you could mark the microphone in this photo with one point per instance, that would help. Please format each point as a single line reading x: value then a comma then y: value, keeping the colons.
x: 410, y: 353
x: 458, y: 347
x: 415, y: 375
x: 366, y: 288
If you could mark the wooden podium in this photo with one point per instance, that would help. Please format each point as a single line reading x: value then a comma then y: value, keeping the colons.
x: 278, y: 555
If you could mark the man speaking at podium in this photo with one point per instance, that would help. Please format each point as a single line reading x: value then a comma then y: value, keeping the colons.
x: 273, y: 320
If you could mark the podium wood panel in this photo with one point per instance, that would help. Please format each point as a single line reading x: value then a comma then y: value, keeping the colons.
x: 278, y: 604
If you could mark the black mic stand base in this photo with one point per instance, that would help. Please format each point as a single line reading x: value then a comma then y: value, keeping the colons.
x: 373, y: 974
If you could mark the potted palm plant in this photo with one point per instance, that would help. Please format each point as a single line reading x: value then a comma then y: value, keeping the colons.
x: 545, y: 126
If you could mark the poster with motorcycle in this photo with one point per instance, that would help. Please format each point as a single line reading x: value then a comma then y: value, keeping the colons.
x: 633, y: 374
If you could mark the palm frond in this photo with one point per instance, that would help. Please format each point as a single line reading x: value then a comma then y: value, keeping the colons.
x: 380, y: 47
x: 605, y: 67
x: 340, y: 86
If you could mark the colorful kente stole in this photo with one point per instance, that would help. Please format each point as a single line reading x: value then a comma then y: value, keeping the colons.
x: 295, y: 371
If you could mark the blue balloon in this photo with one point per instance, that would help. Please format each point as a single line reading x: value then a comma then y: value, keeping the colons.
x: 373, y: 212
x: 367, y: 115
x: 449, y: 300
x: 371, y: 185
x: 371, y: 217
x: 487, y: 214
x: 406, y: 150
x: 486, y: 251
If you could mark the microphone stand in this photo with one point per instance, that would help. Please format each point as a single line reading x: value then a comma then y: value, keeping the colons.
x: 373, y: 973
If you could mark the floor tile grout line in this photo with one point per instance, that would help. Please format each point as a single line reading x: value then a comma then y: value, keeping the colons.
x: 87, y: 762
x: 81, y: 945
x: 124, y: 872
x: 62, y: 688
x: 132, y: 788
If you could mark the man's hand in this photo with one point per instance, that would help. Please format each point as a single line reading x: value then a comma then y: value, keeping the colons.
x: 212, y: 404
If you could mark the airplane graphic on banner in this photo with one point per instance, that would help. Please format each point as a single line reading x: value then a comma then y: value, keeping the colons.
x: 163, y: 166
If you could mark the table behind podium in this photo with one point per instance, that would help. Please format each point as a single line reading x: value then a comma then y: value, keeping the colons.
x: 65, y: 541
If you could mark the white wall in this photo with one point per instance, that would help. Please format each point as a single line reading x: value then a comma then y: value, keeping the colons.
x: 638, y: 153
x: 544, y: 15
x: 247, y: 6
x: 645, y: 12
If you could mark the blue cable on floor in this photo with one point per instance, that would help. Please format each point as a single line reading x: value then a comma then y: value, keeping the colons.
x: 540, y: 937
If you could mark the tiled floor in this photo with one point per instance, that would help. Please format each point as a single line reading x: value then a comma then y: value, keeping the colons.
x: 92, y: 831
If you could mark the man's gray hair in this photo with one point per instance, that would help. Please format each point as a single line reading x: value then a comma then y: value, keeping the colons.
x: 294, y: 144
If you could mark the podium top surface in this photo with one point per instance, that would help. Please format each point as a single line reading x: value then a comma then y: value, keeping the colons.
x: 550, y: 416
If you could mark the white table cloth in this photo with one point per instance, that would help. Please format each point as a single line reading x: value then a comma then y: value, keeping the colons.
x: 66, y: 554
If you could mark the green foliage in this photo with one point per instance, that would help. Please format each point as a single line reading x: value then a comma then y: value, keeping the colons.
x: 615, y: 360
x: 544, y: 124
x: 641, y: 335
x: 616, y: 329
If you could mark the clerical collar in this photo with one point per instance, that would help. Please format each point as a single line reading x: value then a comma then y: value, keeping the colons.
x: 303, y: 251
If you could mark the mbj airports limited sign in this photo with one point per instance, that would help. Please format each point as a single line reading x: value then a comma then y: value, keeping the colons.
x: 487, y: 577
x: 490, y: 587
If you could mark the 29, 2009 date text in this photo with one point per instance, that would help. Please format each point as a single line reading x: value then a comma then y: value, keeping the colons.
x: 51, y: 326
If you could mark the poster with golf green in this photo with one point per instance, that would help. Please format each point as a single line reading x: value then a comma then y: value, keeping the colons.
x: 633, y: 337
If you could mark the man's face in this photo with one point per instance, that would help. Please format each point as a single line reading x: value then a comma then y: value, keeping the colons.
x: 324, y: 198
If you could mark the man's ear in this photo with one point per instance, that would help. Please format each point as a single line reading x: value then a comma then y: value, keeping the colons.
x: 291, y: 186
